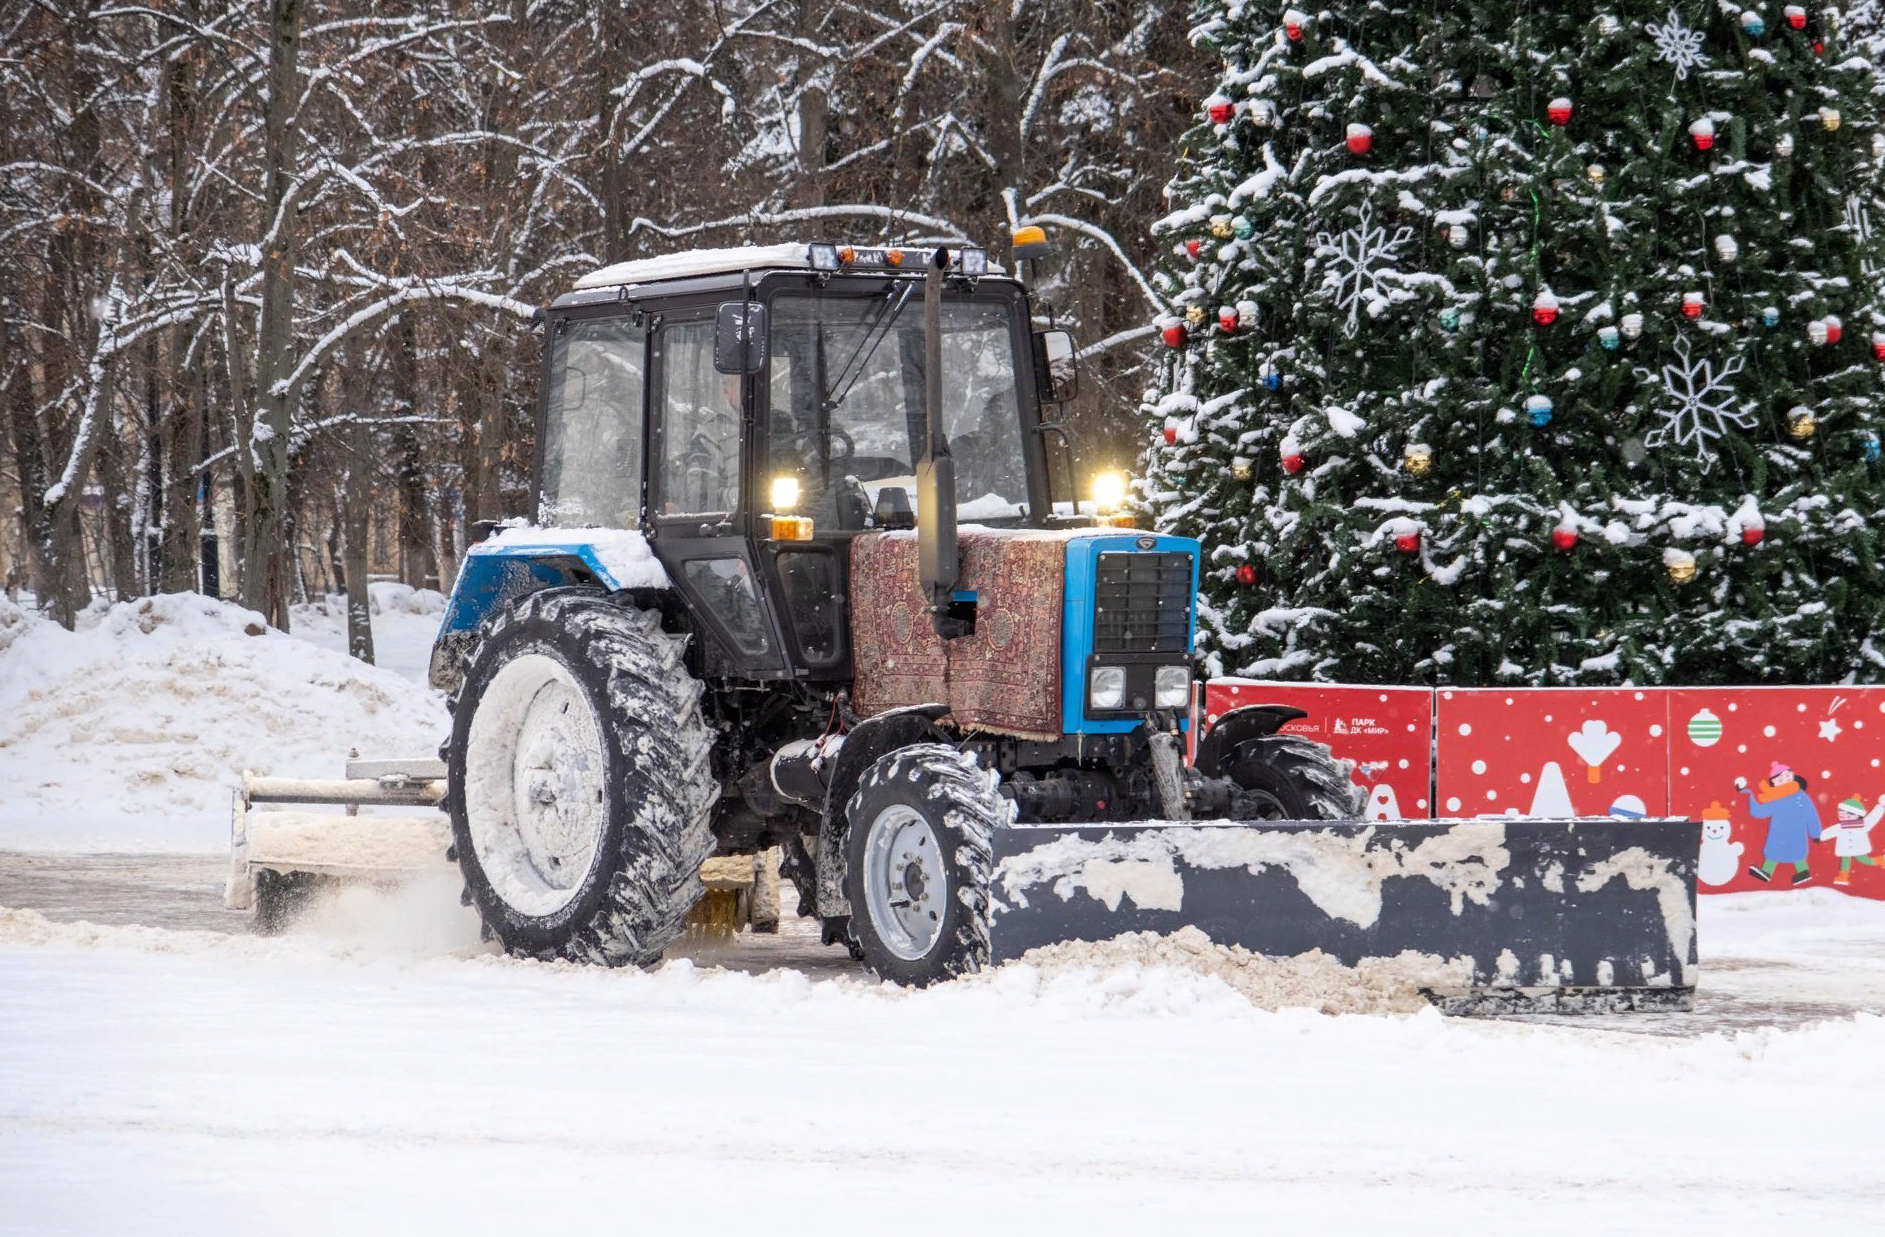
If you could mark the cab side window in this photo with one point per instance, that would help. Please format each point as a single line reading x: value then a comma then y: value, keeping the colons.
x: 699, y: 472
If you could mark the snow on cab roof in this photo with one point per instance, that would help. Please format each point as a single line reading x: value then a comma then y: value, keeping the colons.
x: 698, y: 262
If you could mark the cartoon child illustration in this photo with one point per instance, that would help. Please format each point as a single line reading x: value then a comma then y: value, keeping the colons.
x: 1792, y: 820
x: 1851, y: 835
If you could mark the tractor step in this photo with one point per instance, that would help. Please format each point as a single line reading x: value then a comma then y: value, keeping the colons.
x: 1552, y: 915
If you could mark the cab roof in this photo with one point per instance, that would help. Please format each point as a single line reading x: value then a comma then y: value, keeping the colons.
x: 696, y: 262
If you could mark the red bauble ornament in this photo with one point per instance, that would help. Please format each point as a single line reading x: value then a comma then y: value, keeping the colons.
x: 1796, y: 17
x: 1703, y: 133
x: 1193, y: 247
x: 1545, y: 309
x: 1246, y: 575
x: 1219, y: 109
x: 1833, y: 330
x: 1294, y: 30
x: 1559, y: 110
x: 1752, y: 534
x: 1819, y: 48
x: 1564, y: 538
x: 1227, y: 319
x: 1292, y: 463
x: 1360, y: 139
x: 1691, y: 304
x: 1878, y: 347
x: 1173, y: 335
x: 1171, y: 435
x: 1408, y: 543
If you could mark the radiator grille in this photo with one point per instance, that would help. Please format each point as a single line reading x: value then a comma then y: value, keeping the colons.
x: 1142, y: 603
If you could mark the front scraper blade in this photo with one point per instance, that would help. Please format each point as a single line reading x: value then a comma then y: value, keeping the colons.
x: 1518, y: 915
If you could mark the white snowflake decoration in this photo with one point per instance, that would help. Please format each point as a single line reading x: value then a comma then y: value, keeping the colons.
x: 1704, y: 404
x: 1360, y: 257
x: 1679, y: 45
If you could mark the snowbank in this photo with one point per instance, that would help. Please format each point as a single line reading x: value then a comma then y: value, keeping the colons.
x: 1144, y: 961
x: 132, y: 731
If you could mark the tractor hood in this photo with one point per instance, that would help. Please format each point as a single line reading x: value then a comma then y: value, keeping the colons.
x: 1022, y: 671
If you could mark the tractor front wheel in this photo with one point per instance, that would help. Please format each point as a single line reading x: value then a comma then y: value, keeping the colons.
x: 917, y: 862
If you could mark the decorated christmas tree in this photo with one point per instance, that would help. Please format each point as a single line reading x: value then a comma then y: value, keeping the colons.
x: 1529, y: 344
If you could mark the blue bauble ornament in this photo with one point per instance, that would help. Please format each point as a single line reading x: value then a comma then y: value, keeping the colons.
x: 1538, y: 409
x: 1610, y: 338
x: 1449, y: 320
x: 1752, y: 23
x: 1272, y: 380
x: 1770, y: 317
x: 1870, y: 449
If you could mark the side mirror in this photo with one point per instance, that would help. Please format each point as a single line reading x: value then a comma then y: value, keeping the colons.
x: 739, y: 337
x: 1056, y: 369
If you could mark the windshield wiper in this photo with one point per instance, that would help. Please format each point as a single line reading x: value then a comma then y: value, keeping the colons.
x: 874, y: 332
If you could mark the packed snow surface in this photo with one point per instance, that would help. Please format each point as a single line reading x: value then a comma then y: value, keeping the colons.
x: 192, y: 1082
x: 132, y: 731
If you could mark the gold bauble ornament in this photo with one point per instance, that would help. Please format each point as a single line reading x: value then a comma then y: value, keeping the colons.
x: 1240, y: 468
x: 1681, y: 567
x: 1802, y: 424
x: 1220, y: 226
x: 1596, y: 173
x: 1194, y: 314
x: 1829, y: 118
x: 1418, y: 459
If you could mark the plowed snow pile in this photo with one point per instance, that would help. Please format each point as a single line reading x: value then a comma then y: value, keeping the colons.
x: 150, y: 712
x: 1312, y: 980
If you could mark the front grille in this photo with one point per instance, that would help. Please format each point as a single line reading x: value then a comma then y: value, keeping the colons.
x: 1142, y: 603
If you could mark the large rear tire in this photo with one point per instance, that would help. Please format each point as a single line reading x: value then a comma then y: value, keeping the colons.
x: 1287, y: 778
x: 918, y: 856
x: 580, y: 780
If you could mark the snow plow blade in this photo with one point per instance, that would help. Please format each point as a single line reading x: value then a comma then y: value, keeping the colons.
x: 1516, y: 915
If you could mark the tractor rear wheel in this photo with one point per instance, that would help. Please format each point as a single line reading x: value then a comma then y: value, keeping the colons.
x: 1287, y: 778
x: 580, y: 781
x: 918, y: 856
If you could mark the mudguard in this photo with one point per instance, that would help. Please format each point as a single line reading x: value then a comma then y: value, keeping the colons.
x: 1514, y: 913
x: 523, y: 560
x: 1252, y: 721
x: 866, y: 741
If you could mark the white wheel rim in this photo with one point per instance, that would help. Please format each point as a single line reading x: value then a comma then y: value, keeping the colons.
x: 906, y: 888
x: 534, y: 785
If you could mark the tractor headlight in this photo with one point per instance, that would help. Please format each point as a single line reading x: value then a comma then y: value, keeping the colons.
x: 1106, y: 689
x: 1172, y: 688
x: 785, y: 493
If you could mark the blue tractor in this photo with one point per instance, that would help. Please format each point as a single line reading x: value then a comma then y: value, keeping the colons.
x: 799, y: 578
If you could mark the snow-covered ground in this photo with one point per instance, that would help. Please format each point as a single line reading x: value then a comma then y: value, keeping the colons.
x: 195, y: 1082
x: 383, y: 1071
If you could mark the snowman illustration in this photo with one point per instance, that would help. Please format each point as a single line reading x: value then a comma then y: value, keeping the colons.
x: 1721, y: 858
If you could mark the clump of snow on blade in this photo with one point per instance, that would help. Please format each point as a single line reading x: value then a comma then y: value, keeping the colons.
x: 133, y: 730
x: 1142, y: 963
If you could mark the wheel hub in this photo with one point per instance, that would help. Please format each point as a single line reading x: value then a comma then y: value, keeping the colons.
x: 905, y: 882
x: 535, y: 775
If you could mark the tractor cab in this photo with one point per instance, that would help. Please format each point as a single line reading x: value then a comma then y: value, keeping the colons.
x: 754, y: 410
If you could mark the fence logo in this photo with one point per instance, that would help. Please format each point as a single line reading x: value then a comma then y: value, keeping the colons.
x: 1358, y: 725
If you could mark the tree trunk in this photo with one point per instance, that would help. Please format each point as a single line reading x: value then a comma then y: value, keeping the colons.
x: 1002, y: 88
x: 813, y: 118
x: 267, y: 574
x: 415, y: 545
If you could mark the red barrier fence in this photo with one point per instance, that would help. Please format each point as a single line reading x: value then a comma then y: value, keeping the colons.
x: 1787, y: 780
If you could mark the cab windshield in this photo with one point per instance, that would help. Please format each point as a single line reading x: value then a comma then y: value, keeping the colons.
x: 846, y: 407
